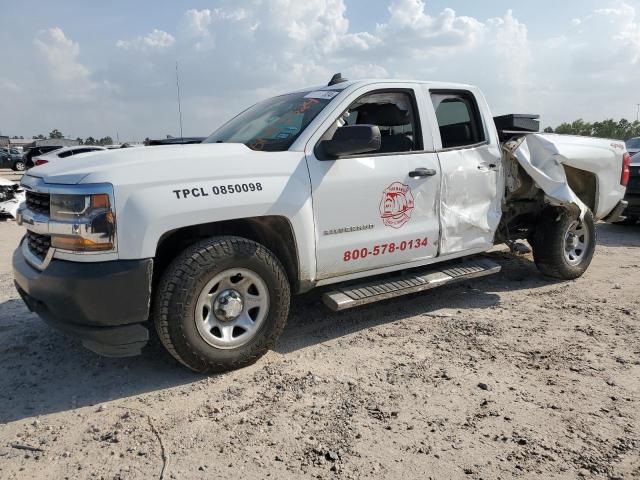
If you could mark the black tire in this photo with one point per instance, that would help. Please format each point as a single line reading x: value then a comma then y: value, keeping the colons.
x: 549, y: 242
x: 181, y: 284
x: 19, y: 166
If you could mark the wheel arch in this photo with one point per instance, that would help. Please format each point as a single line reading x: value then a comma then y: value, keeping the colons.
x: 273, y: 231
x: 584, y: 184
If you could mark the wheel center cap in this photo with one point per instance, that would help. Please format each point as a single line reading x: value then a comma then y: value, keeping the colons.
x: 572, y: 240
x: 228, y: 305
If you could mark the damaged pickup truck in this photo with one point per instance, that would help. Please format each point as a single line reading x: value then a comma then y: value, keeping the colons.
x: 377, y: 188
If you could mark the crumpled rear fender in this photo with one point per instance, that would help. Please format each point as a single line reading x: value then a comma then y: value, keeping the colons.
x: 544, y: 157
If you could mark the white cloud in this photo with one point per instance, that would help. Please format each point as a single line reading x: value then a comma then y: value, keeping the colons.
x: 510, y: 43
x: 366, y: 70
x: 590, y: 69
x: 410, y: 25
x: 232, y: 56
x: 606, y: 39
x: 198, y: 21
x: 8, y: 86
x: 155, y: 40
x: 198, y: 24
x: 61, y: 56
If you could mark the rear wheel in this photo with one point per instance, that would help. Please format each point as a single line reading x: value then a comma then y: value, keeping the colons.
x: 563, y: 245
x: 221, y: 304
x: 19, y: 166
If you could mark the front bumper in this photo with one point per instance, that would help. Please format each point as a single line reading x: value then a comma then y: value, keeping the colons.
x: 101, y: 303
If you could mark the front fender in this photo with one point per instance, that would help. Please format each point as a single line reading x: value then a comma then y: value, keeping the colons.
x: 145, y: 212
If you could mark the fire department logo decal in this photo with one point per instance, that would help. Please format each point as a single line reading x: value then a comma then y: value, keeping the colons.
x: 396, y: 205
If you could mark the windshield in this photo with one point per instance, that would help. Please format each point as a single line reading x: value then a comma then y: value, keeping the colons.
x: 633, y: 143
x: 274, y: 124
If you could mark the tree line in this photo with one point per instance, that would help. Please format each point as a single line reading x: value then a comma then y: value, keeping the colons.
x: 621, y: 130
x: 55, y: 133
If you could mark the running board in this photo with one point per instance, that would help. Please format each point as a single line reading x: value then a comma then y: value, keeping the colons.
x: 355, y: 295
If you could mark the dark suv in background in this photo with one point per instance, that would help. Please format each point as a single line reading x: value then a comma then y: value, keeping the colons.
x: 11, y: 158
x: 633, y: 146
x: 632, y: 195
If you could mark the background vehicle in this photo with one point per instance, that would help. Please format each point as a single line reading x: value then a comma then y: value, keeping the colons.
x: 632, y: 195
x: 633, y: 145
x: 379, y: 188
x: 12, y: 158
x: 36, y: 152
x: 65, y: 152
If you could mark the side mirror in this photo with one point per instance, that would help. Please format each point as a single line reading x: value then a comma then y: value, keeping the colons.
x: 353, y: 139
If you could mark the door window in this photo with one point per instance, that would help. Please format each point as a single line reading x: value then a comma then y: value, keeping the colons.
x: 458, y: 119
x: 392, y: 112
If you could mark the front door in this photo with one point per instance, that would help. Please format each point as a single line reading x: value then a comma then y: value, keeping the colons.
x: 379, y: 209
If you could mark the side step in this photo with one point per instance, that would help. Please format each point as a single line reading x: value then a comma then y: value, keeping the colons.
x: 373, y: 291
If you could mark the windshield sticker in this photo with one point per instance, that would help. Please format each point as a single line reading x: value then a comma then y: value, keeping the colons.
x: 322, y: 94
x: 306, y: 105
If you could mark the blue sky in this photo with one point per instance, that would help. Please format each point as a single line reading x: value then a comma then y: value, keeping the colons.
x: 97, y: 68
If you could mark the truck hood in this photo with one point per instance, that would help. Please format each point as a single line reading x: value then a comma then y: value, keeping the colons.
x: 182, y: 162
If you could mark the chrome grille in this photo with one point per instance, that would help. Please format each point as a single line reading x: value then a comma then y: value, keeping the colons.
x: 38, y: 202
x: 38, y: 244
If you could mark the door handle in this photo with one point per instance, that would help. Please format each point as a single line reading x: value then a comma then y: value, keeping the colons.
x: 422, y: 172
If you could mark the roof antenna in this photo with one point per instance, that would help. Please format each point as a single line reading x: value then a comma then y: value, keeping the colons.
x: 179, y: 108
x: 337, y: 78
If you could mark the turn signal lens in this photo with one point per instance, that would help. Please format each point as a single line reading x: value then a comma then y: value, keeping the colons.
x: 79, y: 244
x: 100, y: 201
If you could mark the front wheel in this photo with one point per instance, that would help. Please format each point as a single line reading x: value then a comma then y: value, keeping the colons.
x: 563, y: 245
x: 221, y: 304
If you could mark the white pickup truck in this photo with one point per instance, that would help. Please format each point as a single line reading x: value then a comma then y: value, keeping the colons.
x: 379, y: 188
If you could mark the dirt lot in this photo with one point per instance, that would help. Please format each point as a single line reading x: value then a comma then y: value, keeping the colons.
x: 10, y: 174
x: 513, y: 376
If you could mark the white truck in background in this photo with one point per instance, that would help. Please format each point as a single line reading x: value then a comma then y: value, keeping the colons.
x: 379, y: 188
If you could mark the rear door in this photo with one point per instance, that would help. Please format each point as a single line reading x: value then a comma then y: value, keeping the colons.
x: 472, y: 180
x: 370, y: 210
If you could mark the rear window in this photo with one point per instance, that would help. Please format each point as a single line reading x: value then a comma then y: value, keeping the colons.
x: 458, y: 119
x: 66, y: 153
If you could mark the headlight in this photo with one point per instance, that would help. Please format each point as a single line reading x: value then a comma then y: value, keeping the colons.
x: 82, y: 223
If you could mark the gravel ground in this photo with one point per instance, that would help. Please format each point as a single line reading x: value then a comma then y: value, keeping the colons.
x: 10, y: 174
x: 511, y: 376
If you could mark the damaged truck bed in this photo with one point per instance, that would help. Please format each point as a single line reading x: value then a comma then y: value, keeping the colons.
x: 561, y: 170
